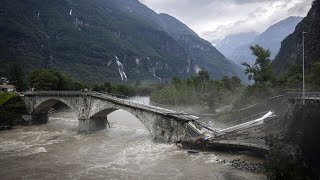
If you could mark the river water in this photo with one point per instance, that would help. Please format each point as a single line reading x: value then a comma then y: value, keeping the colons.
x: 125, y: 151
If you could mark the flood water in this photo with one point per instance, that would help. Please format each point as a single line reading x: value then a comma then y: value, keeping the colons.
x: 125, y: 151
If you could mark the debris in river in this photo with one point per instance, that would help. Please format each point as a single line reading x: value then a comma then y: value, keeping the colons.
x: 192, y: 152
x: 243, y: 165
x: 2, y: 128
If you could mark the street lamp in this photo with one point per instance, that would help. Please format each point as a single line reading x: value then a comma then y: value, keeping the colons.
x: 303, y: 86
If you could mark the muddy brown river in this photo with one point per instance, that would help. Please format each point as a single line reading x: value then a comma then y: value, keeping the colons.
x: 125, y: 151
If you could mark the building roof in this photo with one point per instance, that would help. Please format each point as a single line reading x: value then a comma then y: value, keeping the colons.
x: 6, y: 86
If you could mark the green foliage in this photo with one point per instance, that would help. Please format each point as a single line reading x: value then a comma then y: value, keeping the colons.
x: 4, y: 97
x: 213, y: 95
x: 86, y: 50
x: 261, y: 72
x: 176, y: 95
x: 11, y: 109
x: 232, y: 83
x: 292, y: 80
x: 17, y: 76
x: 176, y: 81
x: 222, y: 93
x: 47, y: 79
x: 314, y: 76
x: 84, y: 45
x: 123, y: 89
x: 198, y: 90
x: 203, y: 76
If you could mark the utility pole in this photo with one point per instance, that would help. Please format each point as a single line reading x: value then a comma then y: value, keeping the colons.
x: 303, y: 83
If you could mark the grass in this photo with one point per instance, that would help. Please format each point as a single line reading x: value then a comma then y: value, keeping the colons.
x: 4, y: 97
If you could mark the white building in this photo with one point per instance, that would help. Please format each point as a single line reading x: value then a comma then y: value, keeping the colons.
x: 7, y: 88
x: 3, y: 80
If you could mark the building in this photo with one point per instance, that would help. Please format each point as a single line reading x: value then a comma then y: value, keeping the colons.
x: 7, y: 88
x: 3, y: 80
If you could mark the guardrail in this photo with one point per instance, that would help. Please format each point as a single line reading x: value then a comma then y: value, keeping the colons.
x: 308, y: 95
x: 78, y: 93
x: 55, y: 93
x: 65, y: 93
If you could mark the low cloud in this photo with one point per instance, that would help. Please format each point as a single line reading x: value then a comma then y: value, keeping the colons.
x: 214, y: 19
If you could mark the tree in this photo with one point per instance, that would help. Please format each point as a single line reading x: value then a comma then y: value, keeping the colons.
x: 16, y: 76
x: 213, y: 94
x: 176, y: 81
x: 261, y: 72
x: 44, y: 80
x: 231, y: 83
x: 199, y: 80
x: 47, y: 80
x: 314, y: 75
x: 235, y: 81
x: 203, y: 76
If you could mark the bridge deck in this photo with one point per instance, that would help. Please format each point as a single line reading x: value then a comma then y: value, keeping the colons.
x: 112, y: 98
x: 307, y: 95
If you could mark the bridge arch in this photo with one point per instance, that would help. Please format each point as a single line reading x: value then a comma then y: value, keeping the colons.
x: 92, y: 110
x: 44, y: 105
x: 146, y: 119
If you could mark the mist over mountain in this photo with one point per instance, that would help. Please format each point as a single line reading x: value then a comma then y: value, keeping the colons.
x: 104, y: 40
x: 269, y: 39
x: 231, y: 42
x: 290, y: 53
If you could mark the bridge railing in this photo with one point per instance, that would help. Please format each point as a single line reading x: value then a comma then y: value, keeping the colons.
x: 121, y: 96
x: 79, y: 93
x: 134, y: 102
x: 299, y: 95
x: 55, y: 93
x: 141, y: 102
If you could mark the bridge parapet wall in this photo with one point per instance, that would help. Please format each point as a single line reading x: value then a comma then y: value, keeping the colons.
x: 308, y: 96
x: 92, y: 110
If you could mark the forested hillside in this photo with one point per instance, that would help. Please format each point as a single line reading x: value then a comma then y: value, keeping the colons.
x: 102, y: 40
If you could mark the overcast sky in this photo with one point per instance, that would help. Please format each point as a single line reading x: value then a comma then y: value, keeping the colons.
x: 214, y: 19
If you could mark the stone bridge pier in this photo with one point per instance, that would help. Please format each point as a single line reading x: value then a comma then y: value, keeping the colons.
x: 92, y: 110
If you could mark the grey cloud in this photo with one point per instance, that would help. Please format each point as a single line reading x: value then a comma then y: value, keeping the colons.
x: 214, y: 19
x: 249, y: 1
x: 300, y: 8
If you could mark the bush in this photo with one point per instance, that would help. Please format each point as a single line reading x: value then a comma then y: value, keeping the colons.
x: 51, y: 80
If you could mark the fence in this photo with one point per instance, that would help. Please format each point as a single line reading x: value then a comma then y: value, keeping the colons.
x: 308, y: 95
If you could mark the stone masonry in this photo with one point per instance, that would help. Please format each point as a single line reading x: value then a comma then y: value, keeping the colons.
x: 92, y: 110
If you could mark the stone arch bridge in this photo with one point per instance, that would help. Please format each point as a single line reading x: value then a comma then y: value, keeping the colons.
x: 92, y: 110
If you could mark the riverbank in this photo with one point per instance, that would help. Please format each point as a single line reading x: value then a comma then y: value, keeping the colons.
x: 293, y: 137
x: 11, y: 110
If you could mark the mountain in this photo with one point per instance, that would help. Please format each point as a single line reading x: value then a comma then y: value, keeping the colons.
x: 103, y: 40
x: 290, y: 53
x: 227, y: 45
x: 269, y: 39
x: 200, y: 53
x: 174, y: 27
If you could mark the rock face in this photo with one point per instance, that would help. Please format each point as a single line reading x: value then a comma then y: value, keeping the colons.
x: 201, y: 54
x: 293, y: 136
x: 269, y: 39
x: 290, y: 53
x: 89, y: 39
